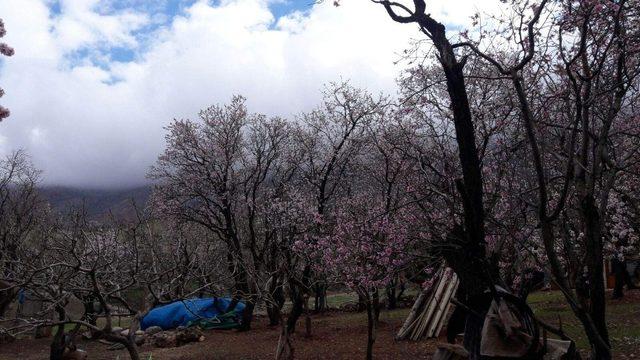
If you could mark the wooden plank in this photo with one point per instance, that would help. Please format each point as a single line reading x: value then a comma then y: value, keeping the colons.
x: 447, y: 308
x: 433, y: 302
x: 443, y: 301
x: 414, y: 314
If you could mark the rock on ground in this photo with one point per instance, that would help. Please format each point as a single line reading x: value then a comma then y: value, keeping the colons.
x: 74, y: 355
x: 151, y: 330
x: 177, y: 337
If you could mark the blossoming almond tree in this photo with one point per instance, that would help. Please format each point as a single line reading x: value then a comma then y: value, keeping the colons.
x: 584, y: 50
x: 364, y: 247
x: 21, y: 212
x: 470, y: 263
x: 216, y: 173
x: 329, y: 140
x: 595, y: 59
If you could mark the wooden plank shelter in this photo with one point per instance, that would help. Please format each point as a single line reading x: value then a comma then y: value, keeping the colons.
x: 431, y: 308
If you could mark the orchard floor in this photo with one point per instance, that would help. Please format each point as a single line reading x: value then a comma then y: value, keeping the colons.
x: 339, y: 335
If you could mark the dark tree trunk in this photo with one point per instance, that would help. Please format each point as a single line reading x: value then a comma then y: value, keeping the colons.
x: 6, y: 297
x: 274, y: 307
x: 457, y: 321
x: 320, y: 304
x: 297, y: 310
x: 392, y: 300
x: 132, y: 349
x: 469, y: 261
x: 285, y: 350
x: 473, y: 283
x: 273, y: 311
x: 307, y: 318
x: 89, y: 310
x: 594, y: 247
x: 372, y: 305
x: 242, y: 292
x: 376, y: 305
x: 57, y: 345
x: 247, y: 314
x: 362, y: 303
x: 403, y: 287
x: 371, y: 330
x: 297, y: 294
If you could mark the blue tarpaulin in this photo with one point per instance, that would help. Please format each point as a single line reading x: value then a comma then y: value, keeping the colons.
x: 186, y: 312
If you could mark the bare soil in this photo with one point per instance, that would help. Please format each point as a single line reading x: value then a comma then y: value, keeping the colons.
x: 335, y: 335
x: 342, y: 335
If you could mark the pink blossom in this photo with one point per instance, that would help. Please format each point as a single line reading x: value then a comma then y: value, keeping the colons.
x: 4, y: 112
x: 6, y: 49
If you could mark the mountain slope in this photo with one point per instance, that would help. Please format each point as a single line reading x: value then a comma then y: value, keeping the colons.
x: 98, y: 203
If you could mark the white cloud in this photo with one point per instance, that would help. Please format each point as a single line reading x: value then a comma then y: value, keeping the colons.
x: 103, y: 125
x: 81, y: 25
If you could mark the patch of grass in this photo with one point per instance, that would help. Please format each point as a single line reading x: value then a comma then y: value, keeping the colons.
x: 545, y: 297
x: 622, y: 320
x: 338, y: 300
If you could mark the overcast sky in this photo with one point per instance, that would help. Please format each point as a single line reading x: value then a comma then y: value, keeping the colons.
x: 93, y: 83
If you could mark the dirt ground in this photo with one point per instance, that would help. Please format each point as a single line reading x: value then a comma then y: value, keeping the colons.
x: 335, y: 335
x: 339, y: 335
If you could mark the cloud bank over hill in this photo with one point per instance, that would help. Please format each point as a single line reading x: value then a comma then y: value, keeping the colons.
x: 93, y: 83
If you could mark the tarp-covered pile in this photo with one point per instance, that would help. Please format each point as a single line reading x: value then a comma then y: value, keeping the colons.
x: 208, y: 313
